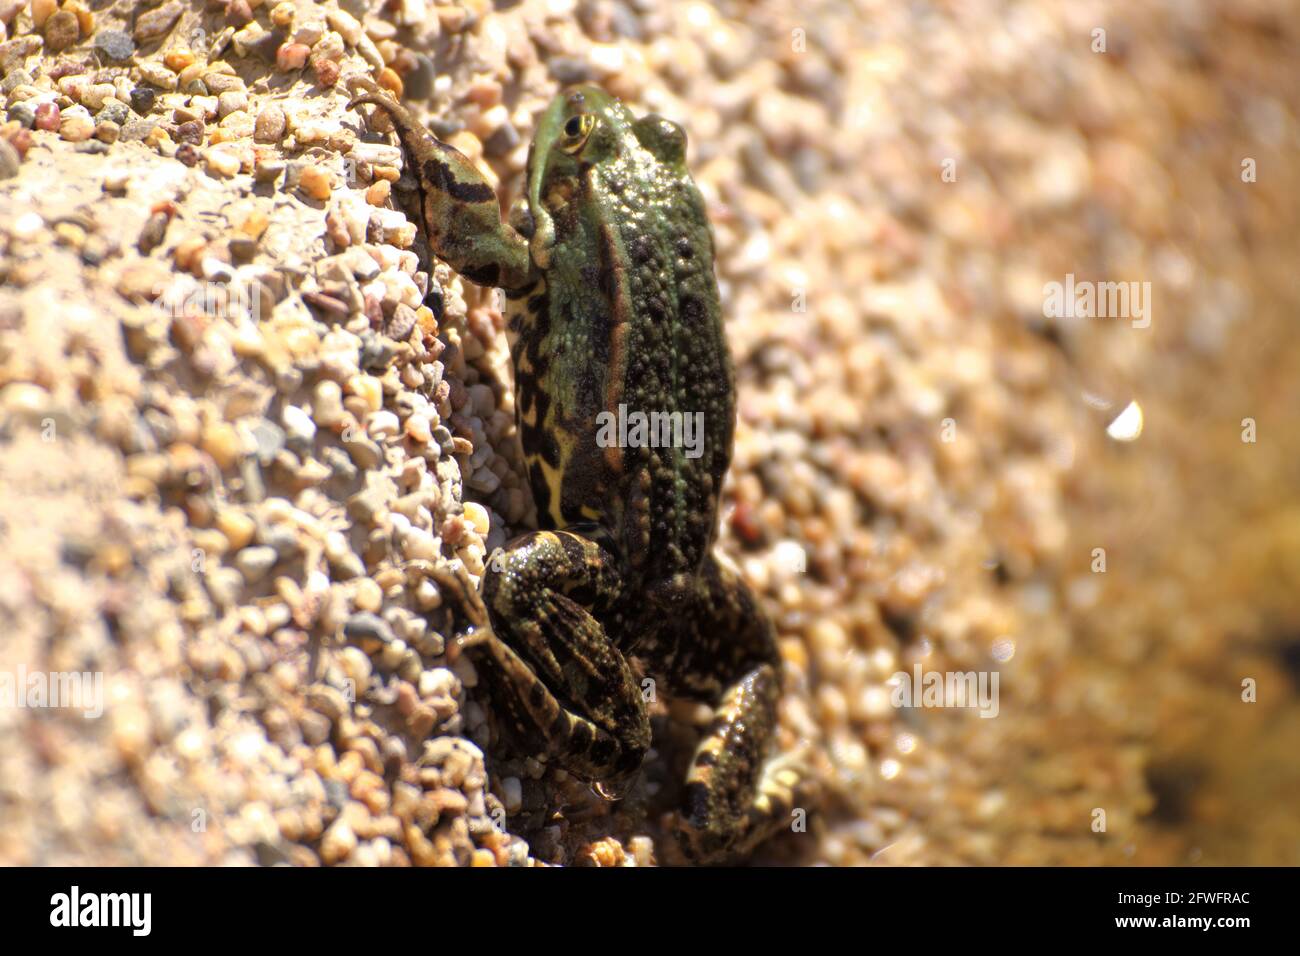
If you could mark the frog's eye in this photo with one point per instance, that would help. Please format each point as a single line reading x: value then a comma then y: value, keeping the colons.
x: 576, y: 131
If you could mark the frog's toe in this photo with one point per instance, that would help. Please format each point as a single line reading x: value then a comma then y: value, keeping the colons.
x: 455, y: 583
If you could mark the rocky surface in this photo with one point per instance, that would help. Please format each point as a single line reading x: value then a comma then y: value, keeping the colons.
x: 241, y: 422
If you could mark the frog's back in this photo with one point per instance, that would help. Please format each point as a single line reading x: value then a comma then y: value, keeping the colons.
x: 626, y: 388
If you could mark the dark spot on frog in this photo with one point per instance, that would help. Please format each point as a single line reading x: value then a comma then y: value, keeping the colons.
x: 439, y: 175
x: 692, y: 310
x: 550, y: 450
x: 541, y: 499
x: 483, y: 275
x: 657, y: 308
x: 641, y: 249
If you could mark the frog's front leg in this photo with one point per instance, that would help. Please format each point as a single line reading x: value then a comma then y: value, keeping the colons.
x: 723, y: 652
x: 461, y: 213
x: 553, y: 673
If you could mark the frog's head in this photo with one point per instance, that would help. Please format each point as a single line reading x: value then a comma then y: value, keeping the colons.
x: 583, y: 127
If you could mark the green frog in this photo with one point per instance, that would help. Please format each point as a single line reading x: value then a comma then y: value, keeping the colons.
x: 612, y: 311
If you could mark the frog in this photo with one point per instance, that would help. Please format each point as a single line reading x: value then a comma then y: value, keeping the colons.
x: 606, y: 263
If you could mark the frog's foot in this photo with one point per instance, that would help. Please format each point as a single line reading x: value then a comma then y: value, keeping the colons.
x: 455, y: 585
x: 555, y: 677
x: 735, y: 798
x: 723, y: 651
x: 459, y: 207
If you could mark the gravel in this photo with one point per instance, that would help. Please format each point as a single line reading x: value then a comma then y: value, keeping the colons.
x: 231, y: 504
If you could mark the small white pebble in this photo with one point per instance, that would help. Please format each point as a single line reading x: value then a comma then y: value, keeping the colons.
x: 383, y: 424
x: 298, y: 423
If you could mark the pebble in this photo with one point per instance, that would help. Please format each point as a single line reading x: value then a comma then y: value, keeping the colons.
x: 291, y: 56
x: 114, y: 111
x: 377, y: 154
x: 218, y: 82
x: 221, y: 161
x: 368, y: 596
x: 23, y: 113
x: 231, y: 101
x: 93, y: 95
x: 154, y: 23
x: 157, y: 74
x: 369, y: 389
x: 115, y: 44
x: 338, y: 842
x: 418, y: 544
x: 9, y: 160
x: 76, y: 127
x: 270, y: 125
x: 268, y: 441
x: 317, y: 182
x: 254, y: 562
x: 478, y: 517
x: 419, y: 80
x: 347, y: 26
x: 236, y: 526
x: 61, y: 31
x: 47, y: 116
x: 383, y: 425
x: 367, y: 626
x: 178, y: 59
x: 327, y: 71
x: 298, y: 424
x: 42, y: 10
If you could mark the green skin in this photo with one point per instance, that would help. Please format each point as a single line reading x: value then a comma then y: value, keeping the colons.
x: 607, y: 265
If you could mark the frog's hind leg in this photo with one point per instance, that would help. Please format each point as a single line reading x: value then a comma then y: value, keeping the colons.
x: 553, y: 673
x: 724, y: 653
